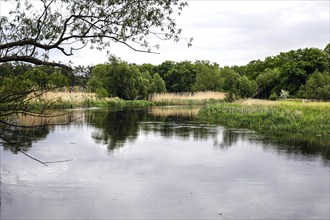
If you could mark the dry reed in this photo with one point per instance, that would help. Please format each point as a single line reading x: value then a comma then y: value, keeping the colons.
x: 165, y: 111
x: 165, y: 97
x: 68, y: 96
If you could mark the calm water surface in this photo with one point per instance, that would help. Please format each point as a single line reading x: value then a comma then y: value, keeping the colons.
x: 159, y: 163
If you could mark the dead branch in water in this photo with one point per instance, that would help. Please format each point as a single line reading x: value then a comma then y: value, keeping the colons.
x: 42, y: 162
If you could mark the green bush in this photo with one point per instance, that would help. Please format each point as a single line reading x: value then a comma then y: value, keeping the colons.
x: 273, y: 96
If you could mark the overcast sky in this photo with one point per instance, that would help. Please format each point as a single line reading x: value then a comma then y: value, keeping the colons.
x: 236, y: 32
x: 233, y: 32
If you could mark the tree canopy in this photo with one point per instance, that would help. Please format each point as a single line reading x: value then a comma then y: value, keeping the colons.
x: 34, y: 30
x: 118, y: 79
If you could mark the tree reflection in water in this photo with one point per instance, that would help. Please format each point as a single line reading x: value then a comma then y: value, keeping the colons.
x: 28, y: 129
x: 115, y: 128
x: 18, y: 139
x: 299, y: 147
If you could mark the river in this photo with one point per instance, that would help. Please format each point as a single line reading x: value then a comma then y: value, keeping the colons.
x: 160, y: 163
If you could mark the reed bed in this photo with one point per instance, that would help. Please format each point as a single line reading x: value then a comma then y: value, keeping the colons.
x: 165, y: 111
x: 274, y: 118
x: 68, y: 96
x: 186, y: 98
x: 66, y: 100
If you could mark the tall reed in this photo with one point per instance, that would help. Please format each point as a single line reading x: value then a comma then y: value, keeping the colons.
x: 197, y: 98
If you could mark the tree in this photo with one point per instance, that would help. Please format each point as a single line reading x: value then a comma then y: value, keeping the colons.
x: 157, y: 84
x: 327, y: 52
x: 98, y: 77
x: 181, y: 77
x: 246, y: 87
x: 317, y: 86
x: 266, y: 82
x: 35, y: 30
x: 229, y: 79
x: 19, y: 89
x: 119, y: 79
x: 208, y: 79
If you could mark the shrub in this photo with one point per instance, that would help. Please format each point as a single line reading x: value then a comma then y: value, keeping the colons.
x: 273, y: 96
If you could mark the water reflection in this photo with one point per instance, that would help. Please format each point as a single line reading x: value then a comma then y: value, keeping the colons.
x: 115, y: 128
x: 18, y: 139
x: 300, y: 147
x: 162, y: 166
x: 29, y: 129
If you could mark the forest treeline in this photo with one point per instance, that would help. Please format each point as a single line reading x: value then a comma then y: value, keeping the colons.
x: 302, y: 73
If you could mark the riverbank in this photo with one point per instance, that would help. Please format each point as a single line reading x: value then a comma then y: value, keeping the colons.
x: 271, y: 117
x: 65, y: 100
x: 298, y: 117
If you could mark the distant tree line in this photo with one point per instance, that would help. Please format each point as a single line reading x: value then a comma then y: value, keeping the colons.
x: 302, y: 73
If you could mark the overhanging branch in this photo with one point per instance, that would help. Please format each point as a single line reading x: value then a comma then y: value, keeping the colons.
x: 33, y: 60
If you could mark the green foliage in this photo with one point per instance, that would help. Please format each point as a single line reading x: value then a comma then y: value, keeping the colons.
x: 124, y: 81
x: 327, y: 53
x: 181, y: 77
x: 273, y: 96
x: 246, y: 87
x: 208, y: 79
x: 288, y: 70
x: 58, y: 80
x: 19, y: 90
x: 317, y: 86
x: 266, y: 82
x: 37, y: 77
x: 157, y: 84
x: 101, y: 93
x: 268, y: 77
x: 98, y: 77
x: 229, y: 79
x: 162, y: 70
x: 254, y: 68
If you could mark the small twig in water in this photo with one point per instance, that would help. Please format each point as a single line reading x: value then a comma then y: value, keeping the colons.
x: 59, y: 161
x: 32, y: 158
x: 42, y: 162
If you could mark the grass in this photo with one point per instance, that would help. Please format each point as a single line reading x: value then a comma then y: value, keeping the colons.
x: 198, y: 98
x: 272, y: 117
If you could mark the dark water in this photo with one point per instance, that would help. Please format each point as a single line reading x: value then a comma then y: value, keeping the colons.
x: 160, y: 163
